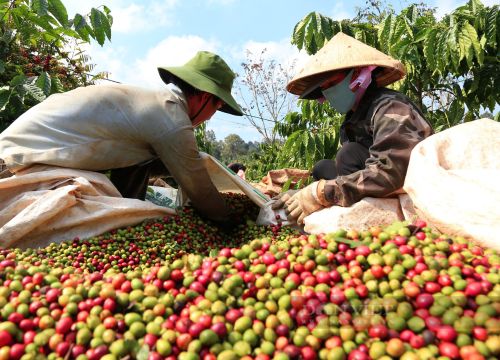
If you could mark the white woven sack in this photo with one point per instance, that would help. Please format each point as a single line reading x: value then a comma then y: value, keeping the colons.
x: 453, y: 180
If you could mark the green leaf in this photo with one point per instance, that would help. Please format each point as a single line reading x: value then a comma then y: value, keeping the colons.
x: 300, y: 154
x: 34, y: 91
x: 299, y: 32
x: 465, y: 46
x: 310, y: 38
x: 491, y: 29
x: 475, y: 6
x: 318, y: 31
x: 320, y: 143
x: 391, y: 37
x: 312, y: 31
x: 81, y: 27
x: 56, y: 85
x: 442, y: 54
x: 421, y: 35
x: 384, y: 32
x: 492, y: 103
x: 472, y: 34
x: 455, y: 113
x: 286, y: 185
x: 106, y: 23
x: 57, y: 8
x: 40, y: 21
x: 50, y: 37
x: 305, y: 138
x: 4, y: 98
x: 299, y: 184
x: 79, y: 22
x: 474, y: 85
x: 412, y: 13
x: 401, y: 32
x: 110, y: 20
x: 308, y: 144
x: 430, y: 49
x: 360, y: 35
x: 2, y: 66
x: 326, y: 27
x: 408, y: 31
x: 334, y: 146
x: 106, y: 9
x: 97, y: 25
x: 44, y: 83
x: 451, y: 42
x: 469, y: 116
x: 351, y: 243
x: 40, y: 7
x: 18, y: 80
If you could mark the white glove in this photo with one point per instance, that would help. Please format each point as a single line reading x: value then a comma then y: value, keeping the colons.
x: 282, y: 198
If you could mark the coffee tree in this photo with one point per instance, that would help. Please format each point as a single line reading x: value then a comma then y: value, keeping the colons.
x: 41, y: 54
x: 311, y: 135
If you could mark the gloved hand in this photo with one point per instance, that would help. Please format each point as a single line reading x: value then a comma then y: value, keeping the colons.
x: 303, y: 203
x: 282, y: 198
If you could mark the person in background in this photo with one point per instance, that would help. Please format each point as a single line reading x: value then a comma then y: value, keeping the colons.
x: 130, y: 131
x: 239, y: 169
x: 380, y: 129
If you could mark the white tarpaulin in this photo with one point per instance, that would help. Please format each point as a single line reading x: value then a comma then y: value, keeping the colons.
x: 453, y: 180
x: 45, y: 204
x: 227, y: 181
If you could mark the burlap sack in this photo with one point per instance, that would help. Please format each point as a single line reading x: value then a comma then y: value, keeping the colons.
x: 453, y: 180
x: 273, y: 183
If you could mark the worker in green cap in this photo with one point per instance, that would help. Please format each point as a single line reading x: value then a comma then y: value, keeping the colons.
x: 130, y: 131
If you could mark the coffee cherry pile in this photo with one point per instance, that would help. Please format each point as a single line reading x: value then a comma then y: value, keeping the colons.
x: 401, y: 291
x: 154, y: 242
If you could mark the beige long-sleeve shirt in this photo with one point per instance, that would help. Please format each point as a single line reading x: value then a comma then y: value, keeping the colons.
x: 104, y: 127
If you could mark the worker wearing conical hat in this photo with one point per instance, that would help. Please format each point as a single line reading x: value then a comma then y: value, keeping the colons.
x: 380, y: 129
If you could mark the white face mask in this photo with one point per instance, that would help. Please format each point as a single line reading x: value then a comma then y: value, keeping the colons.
x: 340, y: 96
x: 346, y: 95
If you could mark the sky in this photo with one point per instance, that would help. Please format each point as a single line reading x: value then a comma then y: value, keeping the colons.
x: 151, y: 33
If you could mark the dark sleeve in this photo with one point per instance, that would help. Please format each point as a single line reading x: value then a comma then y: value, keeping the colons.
x: 397, y: 128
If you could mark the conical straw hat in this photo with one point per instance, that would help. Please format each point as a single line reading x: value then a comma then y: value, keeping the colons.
x: 343, y: 52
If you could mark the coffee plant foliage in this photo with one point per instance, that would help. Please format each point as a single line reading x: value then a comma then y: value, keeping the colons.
x: 41, y: 52
x: 310, y: 136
